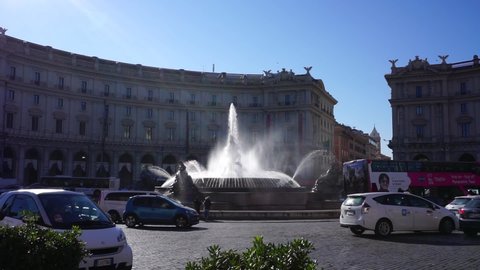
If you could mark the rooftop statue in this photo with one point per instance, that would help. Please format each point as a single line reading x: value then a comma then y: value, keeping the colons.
x: 308, y: 69
x: 444, y: 58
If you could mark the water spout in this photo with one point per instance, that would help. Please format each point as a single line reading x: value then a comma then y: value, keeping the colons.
x: 235, y: 163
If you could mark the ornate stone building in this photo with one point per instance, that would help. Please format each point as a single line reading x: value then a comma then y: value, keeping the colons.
x: 70, y: 114
x: 435, y: 110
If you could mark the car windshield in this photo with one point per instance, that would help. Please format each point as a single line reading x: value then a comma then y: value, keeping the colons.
x: 65, y: 210
x: 354, y: 200
x: 460, y: 201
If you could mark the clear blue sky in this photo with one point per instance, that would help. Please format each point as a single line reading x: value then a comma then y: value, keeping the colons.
x: 348, y: 43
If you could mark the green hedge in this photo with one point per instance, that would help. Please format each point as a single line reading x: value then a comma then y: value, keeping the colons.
x: 30, y: 247
x: 290, y: 256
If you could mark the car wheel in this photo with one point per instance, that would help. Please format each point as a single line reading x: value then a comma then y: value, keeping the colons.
x: 470, y: 232
x: 383, y: 228
x: 114, y: 216
x: 446, y: 226
x: 357, y: 230
x: 181, y: 222
x: 131, y: 221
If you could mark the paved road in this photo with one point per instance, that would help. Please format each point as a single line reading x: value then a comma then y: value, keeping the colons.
x: 164, y: 247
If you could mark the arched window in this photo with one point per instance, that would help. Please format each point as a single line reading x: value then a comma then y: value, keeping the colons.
x: 466, y: 158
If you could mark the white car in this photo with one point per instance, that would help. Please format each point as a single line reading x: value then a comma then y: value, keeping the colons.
x: 60, y: 210
x: 385, y: 212
x: 113, y: 201
x: 459, y: 202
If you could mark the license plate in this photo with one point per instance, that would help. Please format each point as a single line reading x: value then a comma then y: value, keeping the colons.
x: 103, y: 262
x: 350, y: 212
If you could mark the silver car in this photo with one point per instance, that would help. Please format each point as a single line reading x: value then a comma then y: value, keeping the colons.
x: 384, y: 212
x: 459, y: 202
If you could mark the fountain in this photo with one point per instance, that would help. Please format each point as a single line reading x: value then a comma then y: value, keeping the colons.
x: 235, y: 179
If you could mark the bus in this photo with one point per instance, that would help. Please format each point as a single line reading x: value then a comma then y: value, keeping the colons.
x: 438, y: 181
x: 91, y: 186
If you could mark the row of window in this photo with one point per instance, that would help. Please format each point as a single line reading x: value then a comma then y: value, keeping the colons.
x: 149, y: 111
x: 127, y: 130
x: 170, y: 132
x: 82, y: 126
x: 462, y: 86
x: 419, y: 110
x: 287, y: 98
x: 128, y: 90
x: 464, y: 130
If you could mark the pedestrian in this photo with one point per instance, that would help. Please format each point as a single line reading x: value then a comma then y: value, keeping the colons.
x: 197, y: 203
x: 206, y: 207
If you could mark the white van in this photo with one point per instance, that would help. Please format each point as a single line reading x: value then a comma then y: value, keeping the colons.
x: 59, y: 210
x: 113, y: 201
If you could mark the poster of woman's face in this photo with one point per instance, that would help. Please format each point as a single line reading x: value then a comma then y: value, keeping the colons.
x: 384, y: 182
x: 391, y: 181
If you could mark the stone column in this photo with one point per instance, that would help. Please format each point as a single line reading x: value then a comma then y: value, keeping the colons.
x: 136, y: 169
x: 44, y: 162
x: 21, y: 165
x: 114, y: 165
x: 68, y: 162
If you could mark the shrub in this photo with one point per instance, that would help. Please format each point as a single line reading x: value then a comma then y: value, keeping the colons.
x: 290, y: 256
x: 32, y: 247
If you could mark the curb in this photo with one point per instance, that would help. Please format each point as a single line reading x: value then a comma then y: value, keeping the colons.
x: 273, y: 215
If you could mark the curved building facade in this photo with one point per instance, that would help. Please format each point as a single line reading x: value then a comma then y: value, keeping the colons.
x: 71, y: 114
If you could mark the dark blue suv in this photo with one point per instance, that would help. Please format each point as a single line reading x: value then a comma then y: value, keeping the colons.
x: 156, y: 209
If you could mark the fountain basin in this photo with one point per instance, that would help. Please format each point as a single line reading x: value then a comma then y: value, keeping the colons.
x: 242, y: 183
x: 236, y: 198
x: 257, y: 199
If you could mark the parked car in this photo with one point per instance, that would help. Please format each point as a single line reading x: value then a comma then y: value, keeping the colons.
x: 113, y: 202
x: 459, y: 201
x: 158, y: 209
x: 60, y: 210
x: 385, y: 212
x: 469, y: 216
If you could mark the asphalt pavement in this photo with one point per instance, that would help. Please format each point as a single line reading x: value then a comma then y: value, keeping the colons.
x: 165, y: 247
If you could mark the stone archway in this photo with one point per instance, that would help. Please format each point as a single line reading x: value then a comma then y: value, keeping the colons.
x: 147, y: 159
x: 125, y: 165
x: 30, y: 171
x: 102, y: 165
x: 9, y: 164
x: 466, y: 158
x: 55, y: 163
x: 169, y: 163
x: 80, y: 161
